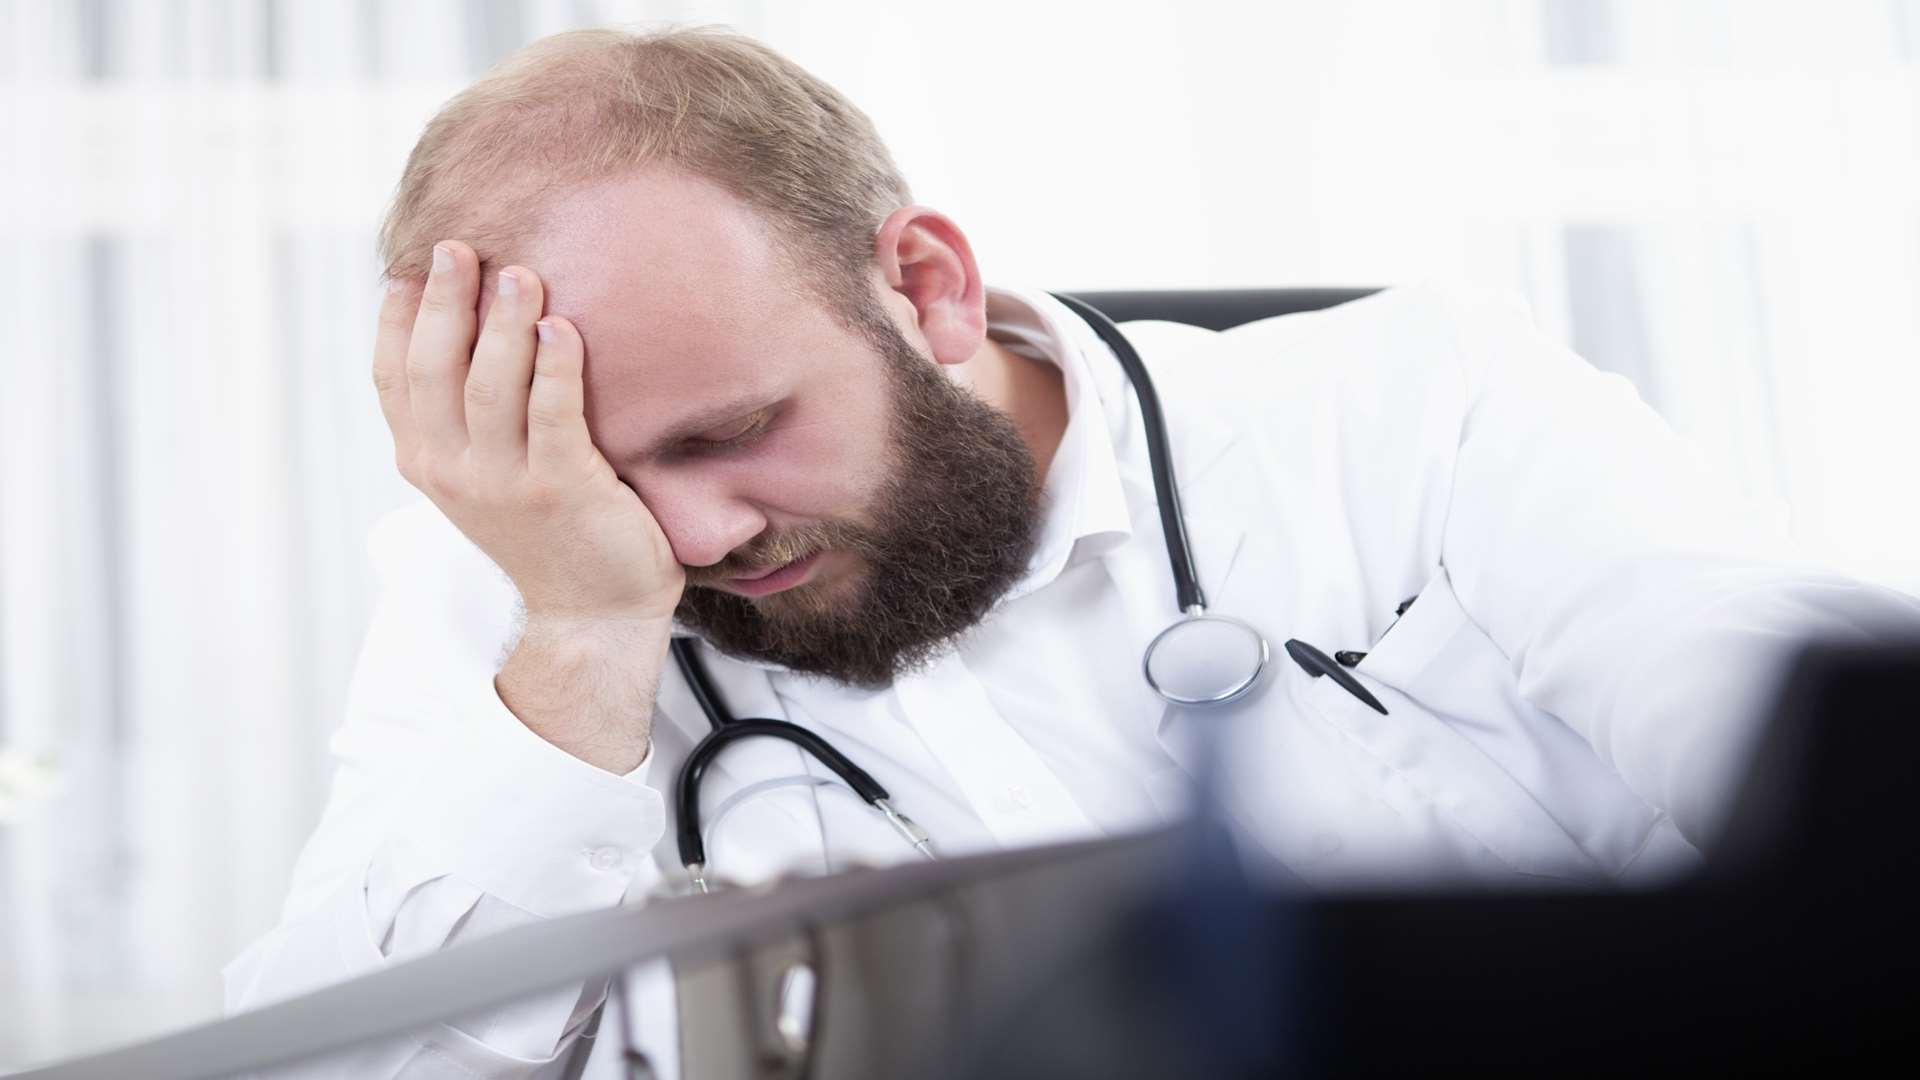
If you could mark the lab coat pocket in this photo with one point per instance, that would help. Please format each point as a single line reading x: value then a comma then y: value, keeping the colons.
x: 1491, y: 766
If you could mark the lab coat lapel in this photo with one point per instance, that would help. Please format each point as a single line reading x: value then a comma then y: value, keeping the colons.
x: 1216, y: 528
x: 1216, y: 542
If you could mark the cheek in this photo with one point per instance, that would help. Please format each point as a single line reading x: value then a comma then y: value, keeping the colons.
x: 821, y: 471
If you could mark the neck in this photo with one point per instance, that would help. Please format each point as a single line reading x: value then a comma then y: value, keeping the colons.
x: 1032, y: 392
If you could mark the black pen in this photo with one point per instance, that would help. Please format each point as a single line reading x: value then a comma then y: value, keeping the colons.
x: 1318, y: 663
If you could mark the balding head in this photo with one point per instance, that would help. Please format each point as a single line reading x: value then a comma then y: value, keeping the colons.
x: 576, y: 109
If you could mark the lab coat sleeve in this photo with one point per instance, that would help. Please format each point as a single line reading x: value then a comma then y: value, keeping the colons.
x: 448, y: 820
x: 1640, y: 594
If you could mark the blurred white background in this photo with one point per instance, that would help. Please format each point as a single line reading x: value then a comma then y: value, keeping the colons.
x: 1715, y: 198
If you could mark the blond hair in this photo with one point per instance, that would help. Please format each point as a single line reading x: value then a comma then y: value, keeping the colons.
x: 586, y: 105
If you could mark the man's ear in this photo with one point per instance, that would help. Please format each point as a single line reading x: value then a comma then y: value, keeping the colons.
x: 927, y: 263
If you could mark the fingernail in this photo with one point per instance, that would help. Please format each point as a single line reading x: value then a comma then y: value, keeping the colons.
x: 509, y: 285
x: 394, y: 285
x: 442, y: 259
x: 545, y: 330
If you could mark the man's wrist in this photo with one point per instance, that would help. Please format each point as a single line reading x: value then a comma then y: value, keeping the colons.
x: 587, y: 685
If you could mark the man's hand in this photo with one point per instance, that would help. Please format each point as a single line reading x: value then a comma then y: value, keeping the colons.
x: 494, y: 431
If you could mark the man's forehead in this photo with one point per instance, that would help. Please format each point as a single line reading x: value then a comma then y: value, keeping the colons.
x: 680, y: 295
x: 666, y: 251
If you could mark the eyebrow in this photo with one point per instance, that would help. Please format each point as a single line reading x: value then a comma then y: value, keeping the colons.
x: 705, y: 420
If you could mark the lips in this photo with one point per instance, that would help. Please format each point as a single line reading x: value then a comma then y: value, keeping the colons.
x: 762, y: 582
x: 758, y: 574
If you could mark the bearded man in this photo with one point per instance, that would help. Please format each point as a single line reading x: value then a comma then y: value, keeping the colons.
x: 669, y: 348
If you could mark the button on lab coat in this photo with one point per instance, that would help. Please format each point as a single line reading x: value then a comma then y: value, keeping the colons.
x: 1599, y: 617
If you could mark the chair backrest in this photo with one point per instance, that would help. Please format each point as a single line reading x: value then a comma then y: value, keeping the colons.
x: 1215, y: 309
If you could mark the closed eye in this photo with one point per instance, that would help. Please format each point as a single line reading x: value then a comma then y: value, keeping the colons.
x: 740, y: 434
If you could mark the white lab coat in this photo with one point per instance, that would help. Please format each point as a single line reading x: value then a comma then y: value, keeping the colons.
x: 1570, y: 697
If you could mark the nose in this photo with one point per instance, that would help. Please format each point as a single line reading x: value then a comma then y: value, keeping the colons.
x: 703, y: 519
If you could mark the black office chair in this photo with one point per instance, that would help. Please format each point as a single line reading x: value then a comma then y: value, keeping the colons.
x: 1215, y: 309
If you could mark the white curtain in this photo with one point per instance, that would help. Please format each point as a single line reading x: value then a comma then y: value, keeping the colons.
x: 1717, y: 199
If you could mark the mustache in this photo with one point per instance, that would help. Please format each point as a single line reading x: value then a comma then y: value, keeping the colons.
x: 768, y: 553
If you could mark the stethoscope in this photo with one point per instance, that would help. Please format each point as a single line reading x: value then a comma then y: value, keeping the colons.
x: 1201, y: 659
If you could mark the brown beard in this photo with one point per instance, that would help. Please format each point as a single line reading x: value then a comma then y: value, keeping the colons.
x: 953, y: 528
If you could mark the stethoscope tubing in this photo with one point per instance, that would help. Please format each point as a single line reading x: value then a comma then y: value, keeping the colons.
x: 728, y: 729
x: 1173, y: 521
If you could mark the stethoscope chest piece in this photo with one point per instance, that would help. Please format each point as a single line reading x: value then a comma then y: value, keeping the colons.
x: 1205, y: 660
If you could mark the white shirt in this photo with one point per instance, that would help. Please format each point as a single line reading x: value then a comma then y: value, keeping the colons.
x: 1568, y: 696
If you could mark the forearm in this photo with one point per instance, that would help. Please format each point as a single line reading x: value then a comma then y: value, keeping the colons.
x: 1699, y: 651
x: 588, y: 686
x: 452, y: 815
x: 1643, y: 595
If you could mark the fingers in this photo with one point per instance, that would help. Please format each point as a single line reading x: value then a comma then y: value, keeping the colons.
x: 441, y: 350
x: 509, y: 399
x: 558, y: 446
x: 497, y: 385
x: 390, y: 364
